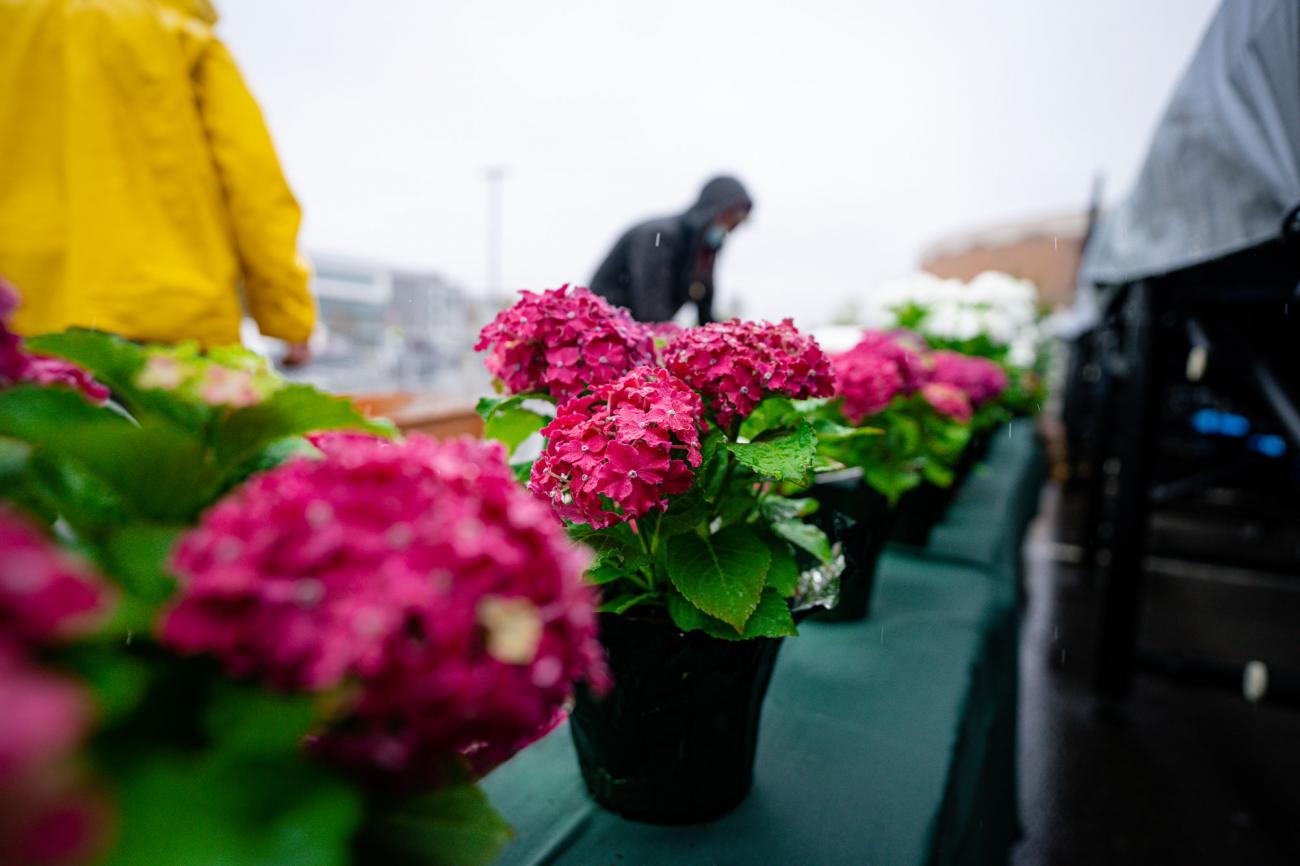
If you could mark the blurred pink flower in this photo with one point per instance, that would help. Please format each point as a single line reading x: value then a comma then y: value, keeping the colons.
x: 417, y: 573
x: 907, y: 350
x: 45, y: 592
x: 18, y: 366
x: 980, y: 378
x: 948, y: 400
x: 867, y: 380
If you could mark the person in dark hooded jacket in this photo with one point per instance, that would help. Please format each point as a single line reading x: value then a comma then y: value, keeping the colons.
x: 660, y: 265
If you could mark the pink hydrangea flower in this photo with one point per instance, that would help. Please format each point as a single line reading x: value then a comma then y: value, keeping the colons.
x: 736, y: 364
x: 980, y: 378
x: 44, y: 591
x: 48, y: 814
x: 562, y: 342
x: 632, y: 443
x: 867, y: 380
x: 417, y: 572
x: 18, y: 366
x: 907, y: 350
x: 44, y: 717
x: 948, y: 400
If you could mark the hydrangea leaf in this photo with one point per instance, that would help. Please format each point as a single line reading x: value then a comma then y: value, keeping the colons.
x: 245, y: 720
x: 294, y: 814
x: 783, y: 574
x: 290, y: 411
x: 785, y: 457
x: 117, y: 362
x: 770, y: 619
x: 454, y: 826
x: 508, y: 421
x: 723, y: 575
x: 773, y: 413
x: 805, y: 536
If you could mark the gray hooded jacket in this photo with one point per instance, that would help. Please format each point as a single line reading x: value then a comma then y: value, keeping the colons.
x: 659, y: 265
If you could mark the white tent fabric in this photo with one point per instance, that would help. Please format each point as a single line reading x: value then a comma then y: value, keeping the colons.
x: 1223, y: 171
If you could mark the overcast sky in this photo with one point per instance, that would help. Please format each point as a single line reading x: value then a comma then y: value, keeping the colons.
x: 865, y: 129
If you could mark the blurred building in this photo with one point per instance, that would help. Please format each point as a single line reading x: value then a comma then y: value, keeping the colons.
x: 1044, y: 250
x: 384, y: 328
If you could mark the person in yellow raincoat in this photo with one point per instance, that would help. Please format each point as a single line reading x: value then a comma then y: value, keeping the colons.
x: 139, y: 188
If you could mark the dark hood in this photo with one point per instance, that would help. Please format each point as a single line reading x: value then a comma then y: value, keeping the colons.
x: 718, y: 196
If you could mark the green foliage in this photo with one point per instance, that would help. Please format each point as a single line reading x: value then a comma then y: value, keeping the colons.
x: 771, y: 618
x: 454, y: 826
x: 806, y: 537
x: 290, y: 411
x: 783, y: 573
x: 723, y: 574
x: 508, y: 421
x: 216, y: 808
x: 784, y: 456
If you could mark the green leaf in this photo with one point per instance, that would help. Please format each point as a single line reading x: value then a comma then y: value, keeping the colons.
x: 507, y: 421
x: 785, y: 508
x: 786, y: 457
x: 938, y: 474
x: 248, y: 721
x: 722, y: 575
x: 623, y: 603
x: 117, y: 680
x: 136, y: 556
x: 290, y: 411
x: 783, y: 574
x: 805, y: 536
x: 685, y: 514
x: 208, y: 810
x: 117, y: 362
x: 773, y: 413
x: 454, y: 826
x: 615, y: 546
x: 155, y: 469
x: 770, y: 619
x: 892, y: 480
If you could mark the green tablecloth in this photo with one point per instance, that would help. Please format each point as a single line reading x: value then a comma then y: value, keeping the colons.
x: 887, y: 741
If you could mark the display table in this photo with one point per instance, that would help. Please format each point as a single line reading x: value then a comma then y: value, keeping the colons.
x: 887, y: 741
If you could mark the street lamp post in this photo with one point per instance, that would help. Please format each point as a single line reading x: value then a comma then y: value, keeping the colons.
x: 494, y: 175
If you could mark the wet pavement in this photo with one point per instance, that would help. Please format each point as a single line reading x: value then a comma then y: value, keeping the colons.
x: 1177, y: 774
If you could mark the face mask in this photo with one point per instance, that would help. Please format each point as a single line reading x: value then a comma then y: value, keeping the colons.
x: 714, y: 236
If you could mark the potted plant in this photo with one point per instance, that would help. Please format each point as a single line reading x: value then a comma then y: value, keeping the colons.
x: 694, y: 542
x: 234, y: 639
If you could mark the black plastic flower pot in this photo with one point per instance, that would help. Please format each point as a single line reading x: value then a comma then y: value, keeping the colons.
x: 861, y: 522
x: 673, y: 742
x: 919, y: 510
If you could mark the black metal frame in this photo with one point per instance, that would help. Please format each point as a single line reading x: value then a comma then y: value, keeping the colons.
x: 1144, y: 321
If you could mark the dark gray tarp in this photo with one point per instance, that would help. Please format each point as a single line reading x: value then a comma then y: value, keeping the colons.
x: 1223, y: 172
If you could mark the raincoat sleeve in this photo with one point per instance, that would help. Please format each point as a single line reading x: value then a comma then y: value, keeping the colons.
x: 651, y: 269
x: 264, y: 214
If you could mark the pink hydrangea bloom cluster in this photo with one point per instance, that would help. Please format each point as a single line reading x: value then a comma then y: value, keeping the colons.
x: 18, y: 366
x: 867, y: 380
x: 45, y: 594
x: 633, y: 443
x: 736, y: 364
x: 907, y: 350
x: 562, y: 342
x: 416, y: 573
x: 980, y: 378
x: 948, y: 400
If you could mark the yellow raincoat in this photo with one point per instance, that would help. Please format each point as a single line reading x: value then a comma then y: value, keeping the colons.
x: 138, y: 184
